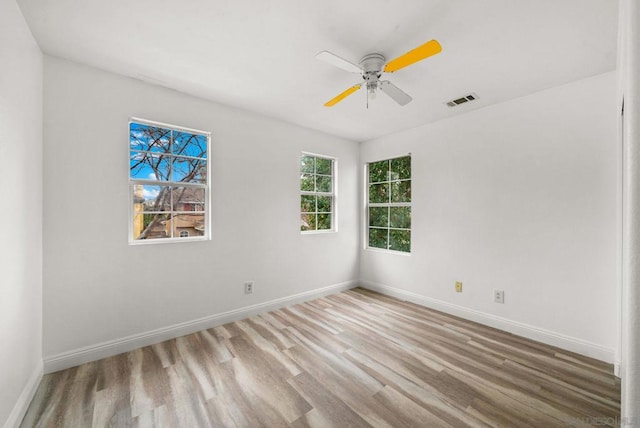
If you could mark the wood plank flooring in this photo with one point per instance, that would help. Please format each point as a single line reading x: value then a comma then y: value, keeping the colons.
x: 353, y: 359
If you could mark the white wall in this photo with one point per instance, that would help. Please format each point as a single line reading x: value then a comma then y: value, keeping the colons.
x: 20, y: 214
x: 629, y: 90
x: 97, y: 288
x: 519, y: 196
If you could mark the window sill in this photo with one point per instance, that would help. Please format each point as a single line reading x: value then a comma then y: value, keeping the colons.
x: 169, y: 240
x: 382, y: 251
x: 318, y: 232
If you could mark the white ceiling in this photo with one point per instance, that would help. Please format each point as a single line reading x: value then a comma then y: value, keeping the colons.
x: 259, y: 55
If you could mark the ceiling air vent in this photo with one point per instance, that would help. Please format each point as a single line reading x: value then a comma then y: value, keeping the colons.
x: 462, y: 100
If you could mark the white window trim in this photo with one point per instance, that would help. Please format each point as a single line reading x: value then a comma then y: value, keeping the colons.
x: 334, y: 194
x: 207, y: 187
x: 366, y: 205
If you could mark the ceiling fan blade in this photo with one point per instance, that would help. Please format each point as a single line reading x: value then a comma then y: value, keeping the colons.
x: 395, y: 93
x: 342, y: 96
x: 430, y: 48
x: 336, y: 61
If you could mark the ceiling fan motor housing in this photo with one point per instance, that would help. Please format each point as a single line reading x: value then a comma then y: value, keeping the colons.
x: 372, y: 69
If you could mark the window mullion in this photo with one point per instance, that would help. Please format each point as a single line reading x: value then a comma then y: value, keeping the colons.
x: 135, y: 181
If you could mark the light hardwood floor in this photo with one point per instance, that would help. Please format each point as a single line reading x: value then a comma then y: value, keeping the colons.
x: 352, y: 359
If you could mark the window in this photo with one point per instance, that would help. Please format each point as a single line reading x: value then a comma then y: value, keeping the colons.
x: 389, y: 204
x: 317, y: 193
x: 168, y: 183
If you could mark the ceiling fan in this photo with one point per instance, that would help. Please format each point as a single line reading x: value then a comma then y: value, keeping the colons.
x: 372, y: 66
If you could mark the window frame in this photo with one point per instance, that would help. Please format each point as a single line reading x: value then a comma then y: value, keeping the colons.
x: 132, y: 182
x: 333, y: 194
x: 368, y: 204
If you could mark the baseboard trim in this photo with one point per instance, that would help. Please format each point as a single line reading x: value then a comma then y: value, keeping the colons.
x: 27, y: 394
x: 98, y: 351
x: 531, y: 332
x: 617, y: 369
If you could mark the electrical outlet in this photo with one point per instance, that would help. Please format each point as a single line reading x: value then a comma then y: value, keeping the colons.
x: 459, y: 286
x: 248, y: 287
x: 498, y: 296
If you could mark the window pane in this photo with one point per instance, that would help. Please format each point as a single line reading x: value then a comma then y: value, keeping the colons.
x: 378, y: 238
x: 401, y: 191
x: 324, y: 204
x: 401, y: 168
x: 151, y: 198
x: 307, y: 203
x: 151, y: 226
x: 307, y: 182
x: 400, y: 217
x: 148, y: 138
x: 378, y: 171
x: 323, y: 166
x: 400, y: 240
x: 379, y: 193
x: 146, y: 166
x: 379, y: 216
x: 308, y: 221
x: 188, y: 198
x: 323, y: 183
x: 189, y: 170
x: 138, y: 223
x: 307, y: 164
x: 192, y: 223
x: 185, y: 144
x: 324, y: 221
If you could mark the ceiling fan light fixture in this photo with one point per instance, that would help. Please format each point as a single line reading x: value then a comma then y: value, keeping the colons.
x: 372, y: 92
